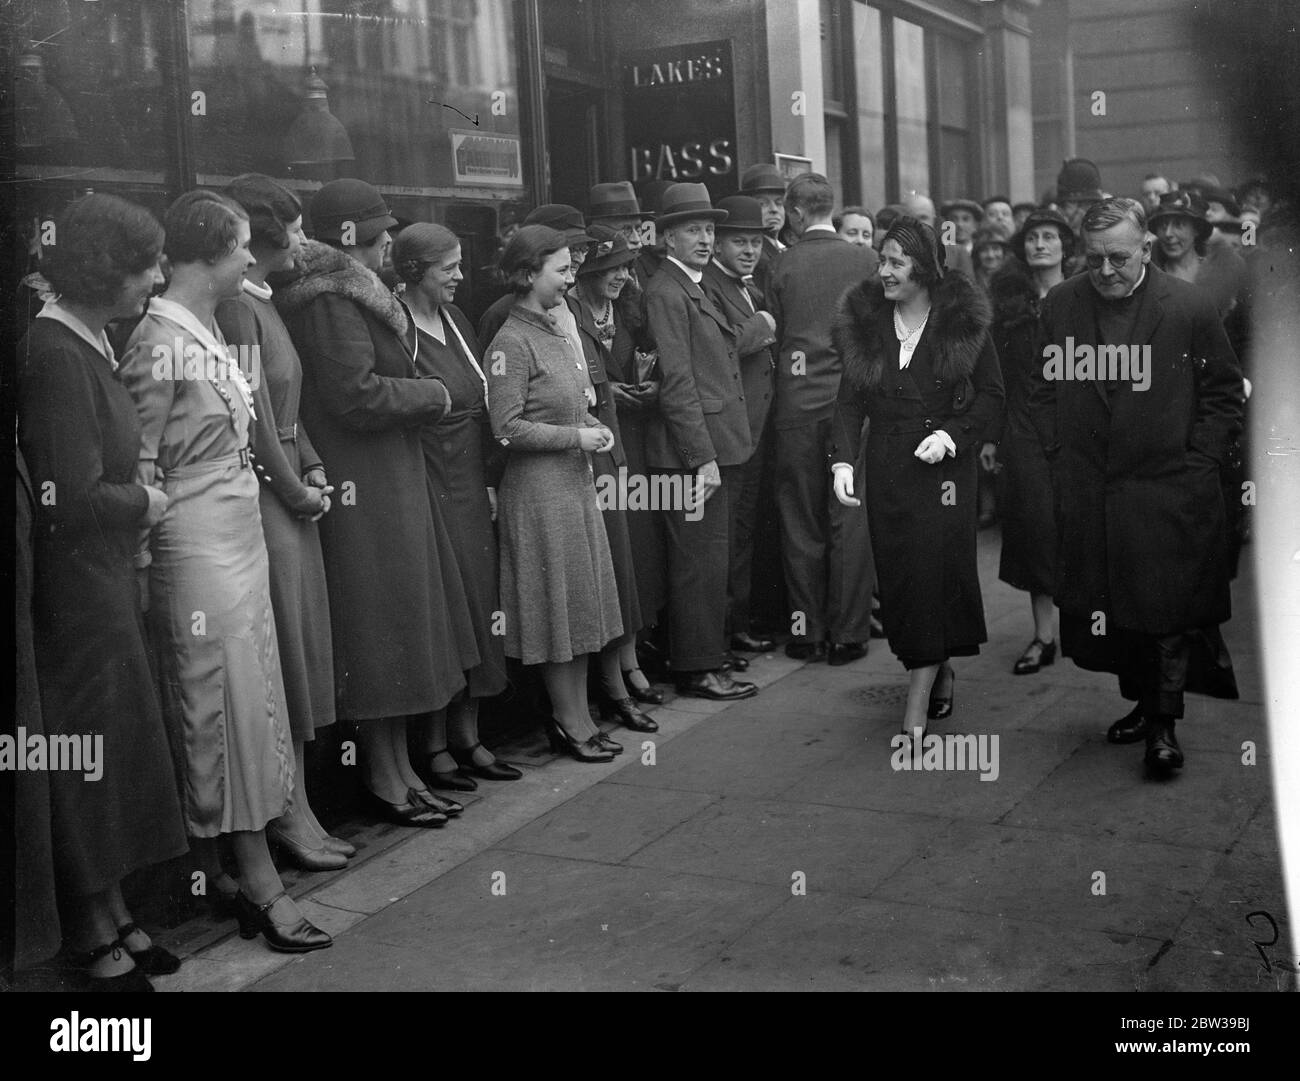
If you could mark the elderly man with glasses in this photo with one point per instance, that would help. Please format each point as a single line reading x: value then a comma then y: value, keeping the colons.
x: 1136, y: 401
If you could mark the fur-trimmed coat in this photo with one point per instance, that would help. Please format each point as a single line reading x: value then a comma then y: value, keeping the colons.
x: 922, y: 517
x: 402, y: 633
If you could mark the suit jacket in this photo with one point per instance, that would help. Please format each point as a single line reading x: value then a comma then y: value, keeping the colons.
x: 754, y: 342
x: 1140, y: 510
x: 807, y: 283
x: 763, y: 271
x: 702, y: 416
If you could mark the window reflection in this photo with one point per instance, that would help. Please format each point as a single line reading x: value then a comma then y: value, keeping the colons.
x: 398, y: 76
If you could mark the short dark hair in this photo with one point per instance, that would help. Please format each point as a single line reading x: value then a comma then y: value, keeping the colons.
x: 1026, y: 206
x: 887, y: 215
x: 860, y: 211
x: 99, y: 241
x: 812, y: 194
x: 269, y: 205
x: 202, y: 226
x: 527, y: 253
x: 920, y: 243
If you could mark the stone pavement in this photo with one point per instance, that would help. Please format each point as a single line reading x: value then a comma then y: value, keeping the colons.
x: 772, y: 846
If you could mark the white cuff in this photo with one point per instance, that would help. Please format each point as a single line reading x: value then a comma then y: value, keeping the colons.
x: 841, y: 465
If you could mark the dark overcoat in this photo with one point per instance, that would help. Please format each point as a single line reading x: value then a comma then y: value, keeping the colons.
x: 1024, y: 483
x: 922, y: 517
x: 754, y: 343
x: 402, y: 633
x: 701, y: 416
x: 1140, y: 512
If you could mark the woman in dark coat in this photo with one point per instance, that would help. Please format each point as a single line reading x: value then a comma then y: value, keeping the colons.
x: 1024, y: 483
x: 293, y: 495
x: 601, y: 280
x: 403, y: 638
x: 558, y: 589
x: 919, y: 363
x: 464, y: 465
x: 77, y: 429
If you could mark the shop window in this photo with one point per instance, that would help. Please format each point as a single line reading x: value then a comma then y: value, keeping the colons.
x: 386, y: 90
x: 953, y: 81
x: 911, y: 109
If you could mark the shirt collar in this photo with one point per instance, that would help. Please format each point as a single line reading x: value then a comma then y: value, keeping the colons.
x: 696, y: 276
x: 728, y: 273
x: 56, y: 311
x: 819, y: 225
x: 261, y: 292
x: 1138, y: 284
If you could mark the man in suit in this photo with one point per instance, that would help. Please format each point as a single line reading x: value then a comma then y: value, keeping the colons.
x: 696, y: 442
x: 1136, y: 402
x: 728, y: 282
x: 766, y: 184
x: 826, y: 549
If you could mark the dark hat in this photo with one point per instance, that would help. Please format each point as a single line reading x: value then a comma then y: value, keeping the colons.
x: 987, y: 237
x: 652, y: 194
x: 744, y: 214
x: 563, y: 219
x: 1183, y: 203
x: 617, y: 200
x: 1079, y: 181
x: 349, y: 200
x: 762, y: 177
x: 1044, y: 216
x: 962, y: 204
x: 687, y: 202
x: 610, y: 251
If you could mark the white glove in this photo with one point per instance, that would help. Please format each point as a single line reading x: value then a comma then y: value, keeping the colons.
x: 844, y: 485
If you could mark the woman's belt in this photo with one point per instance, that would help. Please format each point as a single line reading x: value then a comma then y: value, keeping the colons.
x: 243, y: 459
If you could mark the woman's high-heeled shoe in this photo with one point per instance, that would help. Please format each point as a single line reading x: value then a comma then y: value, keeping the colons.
x: 303, y: 857
x: 1038, y: 654
x: 941, y: 707
x: 449, y: 807
x: 625, y: 710
x: 650, y: 696
x: 590, y: 751
x: 414, y: 812
x: 496, y: 770
x: 301, y: 936
x: 342, y: 847
x: 153, y: 960
x: 453, y: 780
x: 133, y: 980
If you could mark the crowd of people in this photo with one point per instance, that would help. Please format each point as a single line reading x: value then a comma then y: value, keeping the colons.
x: 306, y: 488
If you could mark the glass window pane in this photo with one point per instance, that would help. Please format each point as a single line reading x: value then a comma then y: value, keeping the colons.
x: 869, y: 66
x: 832, y: 51
x: 911, y: 110
x: 88, y: 89
x: 951, y: 71
x: 387, y: 90
x: 835, y: 157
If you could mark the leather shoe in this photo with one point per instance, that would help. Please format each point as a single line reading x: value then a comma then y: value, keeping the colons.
x: 1130, y: 728
x: 1163, y: 753
x: 1038, y: 654
x: 748, y: 643
x: 716, y: 685
x: 844, y: 652
x: 806, y: 651
x: 733, y: 662
x: 940, y: 706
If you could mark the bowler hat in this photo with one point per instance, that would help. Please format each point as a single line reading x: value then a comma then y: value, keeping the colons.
x: 744, y: 214
x: 762, y: 178
x: 1079, y: 181
x: 687, y: 202
x: 563, y: 219
x: 610, y: 251
x: 1182, y: 204
x: 652, y: 194
x: 617, y: 200
x: 349, y: 201
x: 962, y: 204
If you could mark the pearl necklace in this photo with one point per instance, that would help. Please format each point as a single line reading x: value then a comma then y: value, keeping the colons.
x: 900, y: 328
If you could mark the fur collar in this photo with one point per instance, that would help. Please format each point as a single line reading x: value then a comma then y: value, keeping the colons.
x: 863, y: 326
x: 323, y: 269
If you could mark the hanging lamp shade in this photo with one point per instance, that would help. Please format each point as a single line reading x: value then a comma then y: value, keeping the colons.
x: 317, y: 137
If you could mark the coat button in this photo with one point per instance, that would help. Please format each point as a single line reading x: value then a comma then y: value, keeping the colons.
x: 929, y: 423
